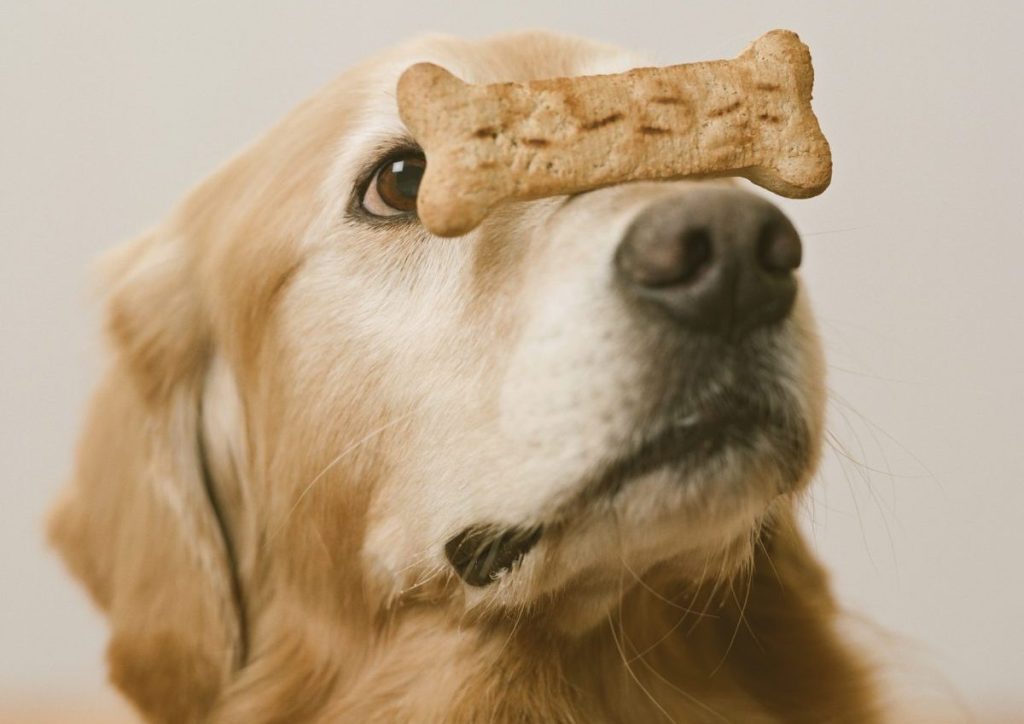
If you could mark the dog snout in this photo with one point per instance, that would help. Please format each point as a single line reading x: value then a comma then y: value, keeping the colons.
x: 717, y: 260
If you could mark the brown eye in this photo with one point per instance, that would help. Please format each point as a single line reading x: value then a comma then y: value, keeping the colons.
x: 395, y: 183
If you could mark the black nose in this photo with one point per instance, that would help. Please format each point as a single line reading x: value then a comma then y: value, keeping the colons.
x: 718, y: 260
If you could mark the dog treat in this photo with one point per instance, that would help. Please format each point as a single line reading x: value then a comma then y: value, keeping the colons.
x: 485, y: 144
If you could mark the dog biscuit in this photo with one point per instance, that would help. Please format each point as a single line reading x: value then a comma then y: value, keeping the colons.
x: 486, y: 144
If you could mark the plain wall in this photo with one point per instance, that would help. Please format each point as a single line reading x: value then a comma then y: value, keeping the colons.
x: 110, y: 111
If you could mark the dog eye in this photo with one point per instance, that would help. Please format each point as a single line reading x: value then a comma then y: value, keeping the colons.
x: 394, y: 185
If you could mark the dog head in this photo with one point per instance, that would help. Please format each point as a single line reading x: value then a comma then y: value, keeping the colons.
x: 313, y: 399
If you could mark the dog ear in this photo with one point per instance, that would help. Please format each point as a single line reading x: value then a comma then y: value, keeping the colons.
x: 137, y: 523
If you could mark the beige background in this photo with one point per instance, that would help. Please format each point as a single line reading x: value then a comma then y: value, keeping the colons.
x: 110, y: 110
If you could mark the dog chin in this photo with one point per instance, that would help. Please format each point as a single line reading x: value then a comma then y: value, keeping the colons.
x: 697, y: 526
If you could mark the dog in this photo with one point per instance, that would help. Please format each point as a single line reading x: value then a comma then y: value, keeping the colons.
x: 340, y: 469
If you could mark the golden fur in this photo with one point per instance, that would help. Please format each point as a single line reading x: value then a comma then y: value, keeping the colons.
x: 249, y: 349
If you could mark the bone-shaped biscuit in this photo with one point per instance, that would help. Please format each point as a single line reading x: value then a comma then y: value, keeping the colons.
x: 485, y: 144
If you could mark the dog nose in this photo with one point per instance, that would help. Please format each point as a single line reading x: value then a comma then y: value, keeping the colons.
x: 718, y: 260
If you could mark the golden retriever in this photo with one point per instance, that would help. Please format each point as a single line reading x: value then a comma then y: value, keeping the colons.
x: 342, y: 470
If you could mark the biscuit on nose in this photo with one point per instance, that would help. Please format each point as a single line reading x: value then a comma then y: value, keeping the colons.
x: 486, y: 144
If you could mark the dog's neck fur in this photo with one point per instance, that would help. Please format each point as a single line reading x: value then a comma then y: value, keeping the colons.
x: 761, y: 649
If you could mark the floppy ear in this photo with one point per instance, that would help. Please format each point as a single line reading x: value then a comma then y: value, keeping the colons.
x: 138, y: 524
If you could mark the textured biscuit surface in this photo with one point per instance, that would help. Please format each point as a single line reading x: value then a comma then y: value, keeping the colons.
x: 485, y: 144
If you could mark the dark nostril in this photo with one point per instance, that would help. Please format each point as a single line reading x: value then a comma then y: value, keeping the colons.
x: 650, y: 262
x: 778, y: 248
x: 696, y: 253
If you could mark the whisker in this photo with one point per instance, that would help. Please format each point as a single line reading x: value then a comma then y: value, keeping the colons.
x: 432, y: 574
x: 632, y: 674
x: 341, y: 456
x: 739, y: 621
x: 840, y: 449
x: 323, y: 543
x: 637, y: 655
x: 661, y: 597
x: 745, y: 620
x: 685, y: 609
x: 866, y: 478
x: 874, y: 426
x: 867, y: 375
x: 522, y: 610
x: 719, y: 579
x: 690, y: 697
x: 425, y: 555
x: 856, y: 506
x: 622, y: 629
x: 768, y: 556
